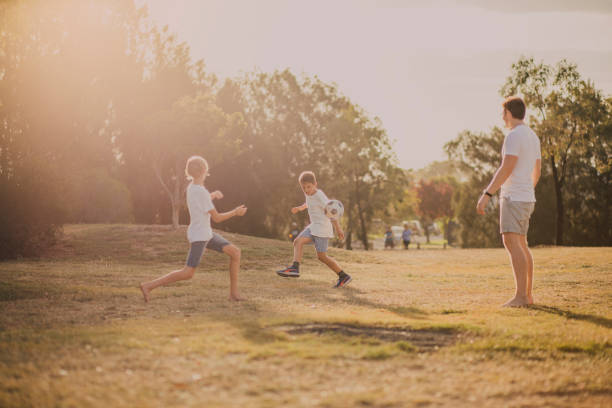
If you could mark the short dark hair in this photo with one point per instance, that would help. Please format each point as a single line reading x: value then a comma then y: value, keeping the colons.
x: 516, y: 107
x: 307, y: 177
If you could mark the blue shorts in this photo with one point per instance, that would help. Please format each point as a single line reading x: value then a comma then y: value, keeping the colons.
x: 320, y: 243
x: 216, y: 243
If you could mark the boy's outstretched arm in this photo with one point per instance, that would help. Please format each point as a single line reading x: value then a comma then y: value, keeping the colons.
x: 338, y: 228
x: 302, y: 207
x: 220, y: 217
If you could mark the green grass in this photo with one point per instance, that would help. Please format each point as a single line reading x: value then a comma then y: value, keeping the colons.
x: 414, y: 328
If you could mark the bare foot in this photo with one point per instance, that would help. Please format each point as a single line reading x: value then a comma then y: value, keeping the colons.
x: 145, y: 292
x: 236, y: 298
x: 529, y: 299
x: 516, y: 302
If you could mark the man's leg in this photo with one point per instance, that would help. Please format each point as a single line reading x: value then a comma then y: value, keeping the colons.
x: 529, y: 257
x: 234, y: 253
x: 518, y: 258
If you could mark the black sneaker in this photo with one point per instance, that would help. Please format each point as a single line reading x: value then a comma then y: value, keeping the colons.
x: 289, y: 272
x: 343, y: 281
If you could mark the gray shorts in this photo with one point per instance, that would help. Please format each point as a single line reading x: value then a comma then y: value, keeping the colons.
x: 320, y: 243
x: 216, y: 243
x: 514, y: 216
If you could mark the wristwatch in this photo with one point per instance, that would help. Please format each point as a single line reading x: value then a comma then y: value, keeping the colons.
x: 487, y: 193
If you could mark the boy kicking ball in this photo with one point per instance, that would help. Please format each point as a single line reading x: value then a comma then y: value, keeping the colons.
x: 318, y: 232
x: 200, y: 233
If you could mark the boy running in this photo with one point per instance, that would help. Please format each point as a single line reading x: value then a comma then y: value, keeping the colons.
x: 200, y: 233
x: 318, y: 232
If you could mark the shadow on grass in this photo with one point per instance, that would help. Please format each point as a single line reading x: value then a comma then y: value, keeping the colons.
x: 13, y: 291
x: 598, y: 320
x: 255, y: 332
x: 405, y: 311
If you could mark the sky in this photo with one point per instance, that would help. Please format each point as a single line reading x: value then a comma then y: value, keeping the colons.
x: 426, y: 69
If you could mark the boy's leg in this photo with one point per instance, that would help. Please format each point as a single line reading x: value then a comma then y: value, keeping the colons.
x: 220, y: 244
x: 329, y: 261
x: 518, y: 258
x: 293, y: 271
x: 174, y: 276
x: 298, y: 248
x: 343, y: 278
x: 234, y: 253
x: 321, y: 247
x: 196, y: 250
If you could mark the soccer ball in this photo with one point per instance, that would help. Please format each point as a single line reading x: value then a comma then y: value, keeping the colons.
x: 334, y: 209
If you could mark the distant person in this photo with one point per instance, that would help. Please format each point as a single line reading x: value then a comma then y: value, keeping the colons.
x: 294, y: 231
x: 389, y: 238
x: 517, y: 176
x: 406, y: 236
x: 318, y: 232
x: 200, y: 234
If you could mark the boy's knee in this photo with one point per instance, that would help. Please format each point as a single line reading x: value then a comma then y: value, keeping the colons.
x: 233, y: 251
x: 322, y: 256
x: 188, y: 272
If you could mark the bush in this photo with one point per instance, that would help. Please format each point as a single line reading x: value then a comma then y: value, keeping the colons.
x: 30, y: 213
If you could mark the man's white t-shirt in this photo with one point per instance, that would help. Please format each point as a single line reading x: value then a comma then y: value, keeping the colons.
x: 199, y: 204
x: 524, y: 143
x: 320, y: 225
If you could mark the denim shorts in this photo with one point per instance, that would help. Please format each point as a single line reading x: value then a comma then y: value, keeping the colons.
x: 320, y: 243
x: 216, y: 243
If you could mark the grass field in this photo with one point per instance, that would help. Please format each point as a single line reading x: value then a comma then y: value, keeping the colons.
x: 414, y: 328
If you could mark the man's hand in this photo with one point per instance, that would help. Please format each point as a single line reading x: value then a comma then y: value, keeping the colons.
x: 240, y: 211
x: 216, y: 195
x: 295, y: 210
x: 482, y: 203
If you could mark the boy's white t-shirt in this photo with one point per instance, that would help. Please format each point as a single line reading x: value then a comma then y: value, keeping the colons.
x: 199, y: 204
x: 320, y: 225
x: 524, y: 143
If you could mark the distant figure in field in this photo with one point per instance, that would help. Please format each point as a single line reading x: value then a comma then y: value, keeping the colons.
x: 200, y: 233
x: 318, y: 232
x: 517, y: 176
x: 406, y: 236
x: 294, y: 231
x: 389, y: 238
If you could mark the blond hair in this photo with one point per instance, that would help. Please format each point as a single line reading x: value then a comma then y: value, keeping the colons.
x: 195, y: 167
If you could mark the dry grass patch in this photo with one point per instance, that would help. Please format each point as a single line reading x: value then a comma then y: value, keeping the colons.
x: 75, y: 332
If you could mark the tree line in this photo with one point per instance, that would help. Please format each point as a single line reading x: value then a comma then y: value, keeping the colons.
x: 573, y: 120
x: 100, y: 108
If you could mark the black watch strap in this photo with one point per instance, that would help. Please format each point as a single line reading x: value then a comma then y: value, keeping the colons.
x: 487, y: 193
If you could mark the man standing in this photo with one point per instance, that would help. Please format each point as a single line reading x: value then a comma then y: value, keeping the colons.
x: 517, y: 176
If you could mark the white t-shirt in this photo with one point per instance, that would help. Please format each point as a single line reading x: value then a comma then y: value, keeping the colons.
x: 320, y: 225
x: 199, y: 204
x: 524, y: 143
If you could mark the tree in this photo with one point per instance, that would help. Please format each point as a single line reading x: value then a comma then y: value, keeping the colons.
x: 61, y: 64
x: 434, y: 202
x: 569, y: 111
x: 195, y: 125
x: 363, y: 169
x: 476, y: 154
x: 162, y: 117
